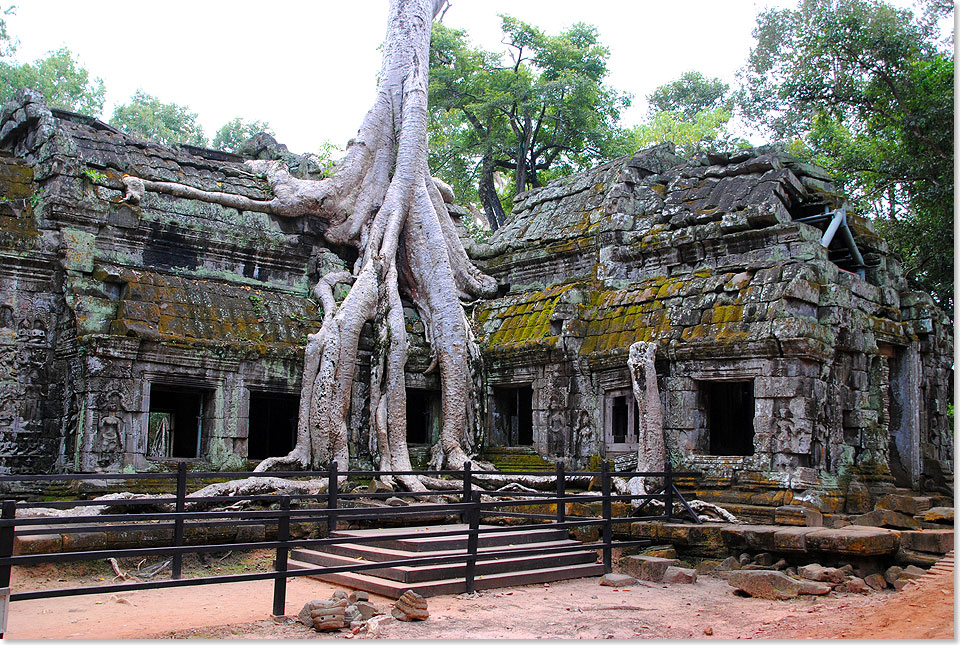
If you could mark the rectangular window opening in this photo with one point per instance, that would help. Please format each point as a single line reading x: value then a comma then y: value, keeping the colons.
x: 513, y: 415
x: 272, y: 428
x: 730, y: 412
x: 176, y: 420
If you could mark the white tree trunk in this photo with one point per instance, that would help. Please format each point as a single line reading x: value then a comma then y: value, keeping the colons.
x: 651, y: 446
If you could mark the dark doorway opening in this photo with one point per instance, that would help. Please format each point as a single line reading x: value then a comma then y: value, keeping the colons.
x: 513, y: 415
x: 272, y: 429
x: 423, y: 416
x: 176, y: 421
x: 730, y: 410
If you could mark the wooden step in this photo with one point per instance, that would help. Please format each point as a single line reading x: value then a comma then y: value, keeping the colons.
x: 376, y: 553
x: 415, y: 573
x: 435, y: 537
x: 394, y: 589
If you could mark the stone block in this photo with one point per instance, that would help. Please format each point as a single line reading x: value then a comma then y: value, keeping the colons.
x: 645, y: 567
x: 819, y: 573
x: 661, y: 552
x: 798, y: 516
x: 679, y: 575
x: 792, y: 538
x: 853, y: 540
x: 753, y: 537
x: 36, y: 544
x: 410, y: 606
x: 907, y: 504
x: 876, y: 582
x: 939, y: 514
x: 887, y: 518
x: 930, y: 541
x: 617, y: 580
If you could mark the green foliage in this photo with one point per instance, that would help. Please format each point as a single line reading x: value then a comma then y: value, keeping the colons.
x: 545, y: 113
x: 63, y: 82
x: 92, y: 175
x: 234, y: 132
x: 865, y: 89
x: 327, y: 155
x: 690, y: 95
x: 167, y: 123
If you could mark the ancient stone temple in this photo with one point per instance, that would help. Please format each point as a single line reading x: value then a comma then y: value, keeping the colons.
x: 790, y: 349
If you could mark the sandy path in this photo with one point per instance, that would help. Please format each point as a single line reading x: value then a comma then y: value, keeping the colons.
x: 570, y: 609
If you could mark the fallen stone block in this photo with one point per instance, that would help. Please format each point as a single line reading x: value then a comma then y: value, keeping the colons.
x: 647, y: 567
x: 764, y: 559
x: 939, y: 514
x: 819, y: 573
x: 930, y: 541
x: 324, y: 615
x: 882, y: 517
x: 679, y: 575
x: 729, y: 564
x: 908, y: 504
x: 774, y: 585
x: 854, y: 585
x: 707, y: 567
x: 667, y: 552
x: 892, y: 573
x: 900, y: 583
x: 875, y: 582
x: 367, y: 609
x: 617, y: 580
x: 358, y: 596
x: 410, y: 606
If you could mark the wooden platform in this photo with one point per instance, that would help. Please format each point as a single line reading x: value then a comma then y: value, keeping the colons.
x: 495, y: 567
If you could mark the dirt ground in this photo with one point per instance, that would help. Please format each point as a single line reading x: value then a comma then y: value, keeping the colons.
x: 569, y: 609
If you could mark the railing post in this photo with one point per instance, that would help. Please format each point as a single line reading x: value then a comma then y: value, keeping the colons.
x: 472, y: 541
x: 607, y: 516
x: 332, y: 499
x: 176, y: 566
x: 6, y: 550
x: 467, y: 489
x: 280, y: 564
x: 561, y: 493
x: 668, y: 491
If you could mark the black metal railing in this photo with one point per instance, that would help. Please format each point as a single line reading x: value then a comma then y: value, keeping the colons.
x: 306, y: 510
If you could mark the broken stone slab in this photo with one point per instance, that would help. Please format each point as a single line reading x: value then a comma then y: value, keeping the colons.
x: 647, y: 567
x: 819, y: 573
x: 764, y: 559
x: 679, y: 576
x: 729, y: 564
x: 900, y: 583
x: 707, y: 567
x: 938, y: 541
x: 367, y: 609
x: 358, y: 596
x: 793, y: 538
x: 882, y: 517
x: 667, y: 552
x: 939, y: 514
x: 774, y: 585
x: 906, y: 504
x: 410, y: 606
x: 892, y: 573
x: 617, y: 580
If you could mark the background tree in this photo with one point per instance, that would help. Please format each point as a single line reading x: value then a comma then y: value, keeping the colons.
x: 63, y: 82
x: 543, y: 114
x: 866, y: 89
x: 693, y: 112
x: 236, y: 131
x: 167, y: 123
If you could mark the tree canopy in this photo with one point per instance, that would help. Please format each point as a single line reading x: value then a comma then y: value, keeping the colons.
x: 234, y: 132
x: 168, y: 123
x: 866, y: 89
x: 62, y: 81
x: 544, y: 113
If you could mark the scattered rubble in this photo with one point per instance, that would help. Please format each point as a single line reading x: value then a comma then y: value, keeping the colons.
x: 341, y: 611
x: 410, y: 606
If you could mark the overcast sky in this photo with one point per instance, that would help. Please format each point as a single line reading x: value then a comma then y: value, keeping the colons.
x: 309, y: 68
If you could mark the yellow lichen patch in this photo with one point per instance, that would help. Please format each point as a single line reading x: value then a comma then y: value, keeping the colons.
x: 526, y: 321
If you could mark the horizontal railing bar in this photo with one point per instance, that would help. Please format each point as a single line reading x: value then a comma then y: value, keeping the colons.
x: 532, y: 516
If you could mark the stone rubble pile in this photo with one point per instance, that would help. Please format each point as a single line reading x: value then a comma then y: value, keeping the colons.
x: 354, y: 611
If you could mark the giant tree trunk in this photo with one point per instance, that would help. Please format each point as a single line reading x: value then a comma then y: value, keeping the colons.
x: 492, y: 207
x: 383, y: 201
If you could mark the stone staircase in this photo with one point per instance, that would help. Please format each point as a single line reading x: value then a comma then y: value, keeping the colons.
x: 496, y: 566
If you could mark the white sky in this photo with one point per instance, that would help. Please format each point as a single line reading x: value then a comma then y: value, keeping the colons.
x: 309, y: 67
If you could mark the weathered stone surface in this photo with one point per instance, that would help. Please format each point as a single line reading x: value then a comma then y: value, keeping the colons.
x: 820, y: 573
x: 854, y: 585
x: 679, y: 575
x: 410, y: 606
x: 798, y: 516
x: 324, y: 615
x: 939, y: 514
x: 367, y: 609
x: 876, y: 582
x: 853, y: 540
x: 858, y: 498
x: 930, y: 541
x: 886, y: 518
x: 906, y: 504
x: 764, y: 559
x: 617, y: 580
x: 774, y: 585
x: 706, y: 567
x: 892, y: 573
x: 667, y: 552
x: 358, y: 595
x: 645, y: 567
